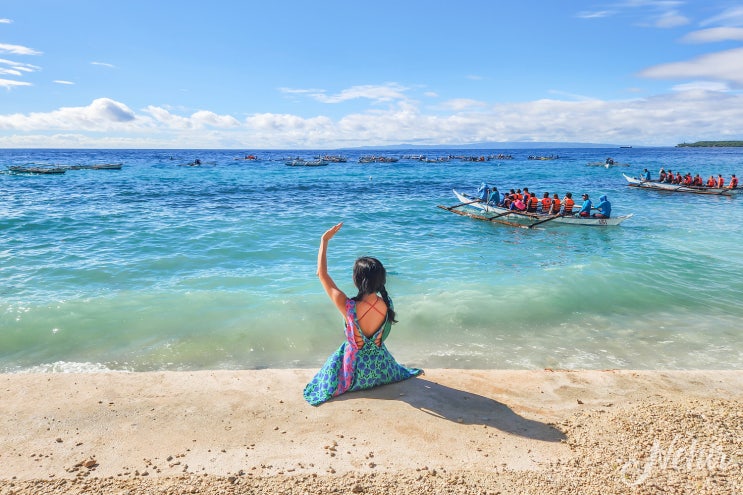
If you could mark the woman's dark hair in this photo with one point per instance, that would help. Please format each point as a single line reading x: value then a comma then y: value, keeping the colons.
x: 369, y: 277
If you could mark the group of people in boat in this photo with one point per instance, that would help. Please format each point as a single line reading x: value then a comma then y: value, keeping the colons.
x: 687, y: 180
x: 527, y: 202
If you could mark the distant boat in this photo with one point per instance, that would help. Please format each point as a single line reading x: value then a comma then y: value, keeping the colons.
x: 36, y: 170
x: 550, y: 157
x: 299, y: 162
x: 625, y: 146
x: 665, y: 186
x: 97, y: 166
x: 106, y: 166
x: 377, y: 159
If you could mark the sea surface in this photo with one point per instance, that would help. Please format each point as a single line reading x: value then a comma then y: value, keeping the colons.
x: 161, y: 266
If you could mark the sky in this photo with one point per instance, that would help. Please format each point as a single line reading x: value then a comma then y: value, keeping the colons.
x: 290, y: 74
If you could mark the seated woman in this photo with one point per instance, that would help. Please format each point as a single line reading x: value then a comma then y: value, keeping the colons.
x: 362, y: 361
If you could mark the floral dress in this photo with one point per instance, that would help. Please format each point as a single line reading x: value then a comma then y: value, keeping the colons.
x: 357, y: 368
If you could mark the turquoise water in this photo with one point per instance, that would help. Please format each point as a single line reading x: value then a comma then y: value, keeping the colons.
x: 164, y: 267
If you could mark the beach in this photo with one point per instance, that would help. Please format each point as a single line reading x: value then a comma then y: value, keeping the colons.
x: 448, y: 431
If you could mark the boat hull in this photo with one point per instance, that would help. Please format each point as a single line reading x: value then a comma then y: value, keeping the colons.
x: 527, y: 219
x: 662, y: 186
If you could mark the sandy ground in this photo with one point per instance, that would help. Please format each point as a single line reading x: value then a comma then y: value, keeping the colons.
x: 449, y: 431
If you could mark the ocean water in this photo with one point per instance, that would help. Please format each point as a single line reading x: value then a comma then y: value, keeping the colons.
x: 160, y: 266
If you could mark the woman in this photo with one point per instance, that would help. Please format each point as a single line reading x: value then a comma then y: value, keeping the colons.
x: 362, y: 361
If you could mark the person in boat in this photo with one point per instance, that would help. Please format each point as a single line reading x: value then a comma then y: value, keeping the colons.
x: 509, y: 198
x: 688, y: 179
x: 532, y: 204
x: 362, y: 361
x: 662, y: 175
x: 646, y: 175
x: 733, y: 182
x: 669, y: 176
x: 568, y: 204
x: 555, y: 208
x: 527, y: 195
x: 678, y: 180
x: 585, y: 210
x: 518, y: 204
x: 711, y: 181
x: 604, y: 208
x: 494, y: 197
x: 483, y: 191
x: 610, y: 161
x: 698, y: 181
x: 546, y: 203
x: 720, y: 181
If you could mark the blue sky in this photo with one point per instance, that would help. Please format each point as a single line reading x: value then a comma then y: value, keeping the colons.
x: 333, y: 74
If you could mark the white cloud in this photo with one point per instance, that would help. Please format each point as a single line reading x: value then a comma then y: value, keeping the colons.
x: 103, y: 64
x: 702, y: 86
x: 205, y: 118
x: 702, y: 109
x: 17, y: 49
x: 59, y: 81
x: 8, y: 83
x: 671, y: 19
x: 5, y: 21
x: 459, y: 104
x: 198, y: 120
x: 377, y: 93
x: 103, y: 114
x: 712, y: 35
x: 721, y: 66
x: 10, y: 72
x: 653, y: 13
x: 474, y: 77
x: 729, y: 17
x: 19, y: 65
x: 595, y: 14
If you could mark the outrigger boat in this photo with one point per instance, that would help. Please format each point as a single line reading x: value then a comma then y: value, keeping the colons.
x: 665, y: 186
x: 36, y: 170
x: 299, y: 162
x: 499, y: 214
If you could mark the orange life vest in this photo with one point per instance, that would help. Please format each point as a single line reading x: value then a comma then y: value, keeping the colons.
x: 546, y: 203
x: 533, y: 202
x: 733, y: 183
x: 556, y: 205
x: 711, y: 182
x: 720, y: 182
x: 569, y: 203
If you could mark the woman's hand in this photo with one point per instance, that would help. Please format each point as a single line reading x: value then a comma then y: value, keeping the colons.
x: 331, y: 232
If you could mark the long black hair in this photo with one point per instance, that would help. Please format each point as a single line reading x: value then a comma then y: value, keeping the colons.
x: 369, y: 277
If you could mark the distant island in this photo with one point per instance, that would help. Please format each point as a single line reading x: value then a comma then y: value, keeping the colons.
x: 712, y: 144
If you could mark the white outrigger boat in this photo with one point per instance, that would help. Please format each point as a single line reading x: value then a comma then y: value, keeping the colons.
x: 665, y: 186
x: 499, y: 214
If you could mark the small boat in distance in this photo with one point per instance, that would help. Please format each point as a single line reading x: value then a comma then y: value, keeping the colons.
x: 665, y: 186
x: 36, y: 170
x: 378, y: 159
x: 300, y: 162
x: 97, y: 166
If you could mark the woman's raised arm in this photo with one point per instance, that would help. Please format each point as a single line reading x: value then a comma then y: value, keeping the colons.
x: 336, y: 295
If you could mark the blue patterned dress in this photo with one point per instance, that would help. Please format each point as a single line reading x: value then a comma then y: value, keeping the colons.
x: 356, y: 368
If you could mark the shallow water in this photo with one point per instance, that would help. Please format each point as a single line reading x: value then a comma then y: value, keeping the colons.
x: 160, y: 266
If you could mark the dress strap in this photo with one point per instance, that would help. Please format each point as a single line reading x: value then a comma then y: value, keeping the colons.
x: 372, y: 306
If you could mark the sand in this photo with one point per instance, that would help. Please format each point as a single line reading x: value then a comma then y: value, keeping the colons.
x: 449, y: 431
